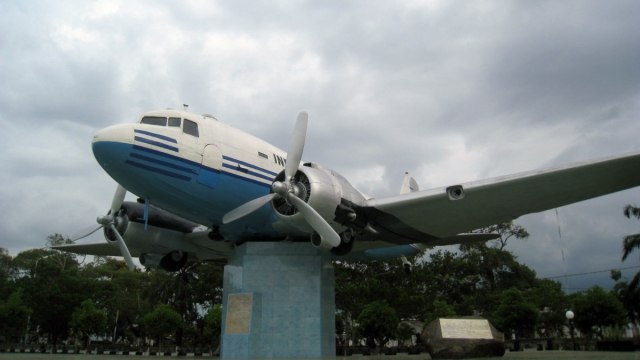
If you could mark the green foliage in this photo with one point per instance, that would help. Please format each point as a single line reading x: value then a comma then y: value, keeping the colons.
x: 629, y: 293
x: 515, y: 314
x: 596, y: 309
x: 6, y: 274
x: 441, y: 309
x: 57, y: 239
x: 507, y: 230
x: 53, y: 287
x: 213, y: 325
x: 13, y: 315
x: 630, y: 298
x: 551, y: 301
x: 162, y: 321
x: 89, y: 320
x: 371, y: 297
x: 377, y: 323
x: 404, y: 333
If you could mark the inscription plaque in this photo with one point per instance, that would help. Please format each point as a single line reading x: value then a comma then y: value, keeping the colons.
x: 465, y: 329
x: 239, y: 313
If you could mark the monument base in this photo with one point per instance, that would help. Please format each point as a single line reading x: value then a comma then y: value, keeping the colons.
x: 279, y: 303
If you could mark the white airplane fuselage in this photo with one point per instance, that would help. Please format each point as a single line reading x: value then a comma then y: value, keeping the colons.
x: 199, y: 168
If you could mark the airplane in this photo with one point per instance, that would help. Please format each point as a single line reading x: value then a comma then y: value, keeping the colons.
x: 205, y: 187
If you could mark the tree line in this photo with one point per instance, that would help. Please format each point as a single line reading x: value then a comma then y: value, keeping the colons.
x: 49, y: 297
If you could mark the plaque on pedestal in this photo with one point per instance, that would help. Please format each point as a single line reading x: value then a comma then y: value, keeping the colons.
x: 461, y: 338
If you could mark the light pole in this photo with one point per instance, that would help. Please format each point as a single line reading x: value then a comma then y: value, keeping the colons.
x: 570, y: 315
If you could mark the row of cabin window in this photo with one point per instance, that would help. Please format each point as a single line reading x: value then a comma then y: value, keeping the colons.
x: 188, y: 126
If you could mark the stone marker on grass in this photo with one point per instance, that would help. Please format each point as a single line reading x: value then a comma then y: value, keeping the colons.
x: 462, y: 338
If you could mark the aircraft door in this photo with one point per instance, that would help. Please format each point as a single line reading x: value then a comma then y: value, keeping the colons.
x: 211, y: 165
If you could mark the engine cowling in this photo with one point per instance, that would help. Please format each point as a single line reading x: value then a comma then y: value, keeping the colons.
x: 324, y: 191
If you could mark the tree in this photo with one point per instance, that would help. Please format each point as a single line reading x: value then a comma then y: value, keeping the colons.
x: 404, y: 333
x: 631, y: 242
x: 6, y: 273
x: 552, y: 302
x: 449, y: 277
x: 88, y: 320
x: 122, y: 294
x: 515, y: 315
x: 213, y: 325
x: 377, y: 323
x: 596, y: 309
x: 506, y: 230
x: 57, y: 239
x: 53, y: 286
x: 13, y: 316
x: 497, y: 270
x: 162, y: 321
x: 630, y: 299
x: 441, y: 309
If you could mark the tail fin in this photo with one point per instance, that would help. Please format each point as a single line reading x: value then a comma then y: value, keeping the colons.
x: 409, y: 184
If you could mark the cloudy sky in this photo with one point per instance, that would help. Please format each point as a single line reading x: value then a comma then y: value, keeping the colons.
x: 450, y: 91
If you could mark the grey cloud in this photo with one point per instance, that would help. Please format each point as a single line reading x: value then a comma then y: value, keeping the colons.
x: 450, y: 93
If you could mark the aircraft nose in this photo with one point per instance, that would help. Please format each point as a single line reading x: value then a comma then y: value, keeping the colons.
x: 110, y: 145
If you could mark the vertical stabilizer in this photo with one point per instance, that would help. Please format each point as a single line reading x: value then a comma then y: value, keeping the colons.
x: 409, y: 184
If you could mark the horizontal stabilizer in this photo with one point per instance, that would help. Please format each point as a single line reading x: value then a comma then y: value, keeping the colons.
x: 98, y: 249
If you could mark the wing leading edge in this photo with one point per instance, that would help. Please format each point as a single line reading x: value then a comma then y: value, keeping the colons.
x: 433, y: 214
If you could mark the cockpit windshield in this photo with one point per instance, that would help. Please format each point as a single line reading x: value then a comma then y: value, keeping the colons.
x: 188, y: 127
x: 154, y: 120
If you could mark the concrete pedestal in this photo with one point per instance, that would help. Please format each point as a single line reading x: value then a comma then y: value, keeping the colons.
x: 279, y: 303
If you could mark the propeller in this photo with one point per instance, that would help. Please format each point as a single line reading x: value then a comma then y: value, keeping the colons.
x: 289, y: 189
x: 108, y: 221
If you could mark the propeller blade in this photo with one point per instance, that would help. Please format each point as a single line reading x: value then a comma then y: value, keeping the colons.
x: 296, y: 146
x: 85, y: 232
x: 317, y: 222
x: 123, y: 248
x: 118, y: 198
x: 247, y: 208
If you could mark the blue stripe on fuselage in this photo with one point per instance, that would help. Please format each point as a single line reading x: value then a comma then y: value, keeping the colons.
x: 247, y: 171
x: 250, y: 165
x: 158, y: 170
x: 156, y: 143
x: 161, y: 137
x: 163, y: 163
x: 196, y: 165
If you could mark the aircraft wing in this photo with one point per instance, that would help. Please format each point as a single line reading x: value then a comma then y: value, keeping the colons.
x: 426, y: 216
x: 156, y: 240
x: 99, y: 249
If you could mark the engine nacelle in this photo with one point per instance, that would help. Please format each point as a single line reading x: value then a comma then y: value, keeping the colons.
x: 324, y: 191
x: 158, y: 218
x: 346, y: 243
x: 171, y: 262
x: 151, y: 260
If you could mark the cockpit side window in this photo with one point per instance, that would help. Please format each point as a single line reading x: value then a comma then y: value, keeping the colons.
x: 174, y: 121
x: 154, y: 120
x: 190, y: 127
